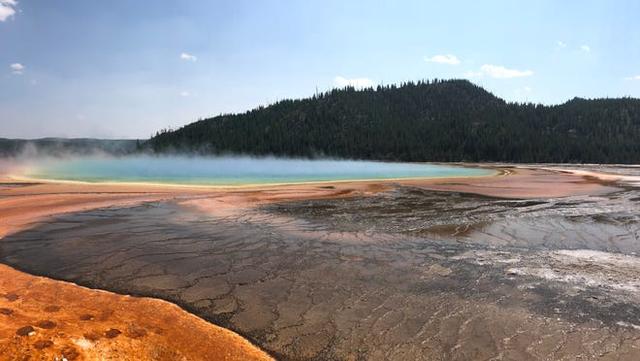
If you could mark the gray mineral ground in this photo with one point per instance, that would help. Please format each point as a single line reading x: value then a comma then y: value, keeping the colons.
x: 407, y: 274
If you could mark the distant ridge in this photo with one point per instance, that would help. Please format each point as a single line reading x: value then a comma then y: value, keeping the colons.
x: 440, y: 120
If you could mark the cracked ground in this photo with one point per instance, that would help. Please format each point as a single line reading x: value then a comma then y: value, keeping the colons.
x: 407, y: 274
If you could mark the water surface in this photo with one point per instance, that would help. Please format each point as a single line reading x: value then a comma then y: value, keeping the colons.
x: 234, y: 170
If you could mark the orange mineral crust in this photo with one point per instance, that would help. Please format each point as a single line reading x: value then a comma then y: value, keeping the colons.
x: 43, y: 319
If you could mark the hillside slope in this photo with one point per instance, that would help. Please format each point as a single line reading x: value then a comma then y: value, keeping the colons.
x: 451, y: 120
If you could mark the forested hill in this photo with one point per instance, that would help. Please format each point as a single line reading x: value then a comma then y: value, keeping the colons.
x: 451, y: 120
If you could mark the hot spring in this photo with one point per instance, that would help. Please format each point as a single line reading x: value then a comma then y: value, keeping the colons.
x: 226, y: 171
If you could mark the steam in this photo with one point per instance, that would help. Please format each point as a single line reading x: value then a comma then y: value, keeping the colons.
x: 18, y: 156
x: 219, y: 170
x: 91, y: 160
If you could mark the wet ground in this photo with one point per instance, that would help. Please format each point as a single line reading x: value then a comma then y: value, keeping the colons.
x: 406, y: 274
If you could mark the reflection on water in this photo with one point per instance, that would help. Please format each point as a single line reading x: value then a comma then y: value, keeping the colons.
x: 232, y: 170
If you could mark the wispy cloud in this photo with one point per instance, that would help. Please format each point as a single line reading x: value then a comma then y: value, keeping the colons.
x: 7, y: 9
x: 585, y: 48
x: 360, y: 83
x: 185, y: 93
x: 449, y: 59
x: 188, y: 57
x: 561, y: 44
x: 500, y: 72
x: 635, y: 77
x: 17, y: 68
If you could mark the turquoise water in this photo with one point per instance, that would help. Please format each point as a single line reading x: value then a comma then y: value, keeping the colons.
x: 233, y: 170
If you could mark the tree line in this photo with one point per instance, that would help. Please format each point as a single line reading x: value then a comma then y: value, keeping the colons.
x: 438, y: 120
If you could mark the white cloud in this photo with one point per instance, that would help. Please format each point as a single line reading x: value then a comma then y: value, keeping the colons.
x: 561, y: 44
x: 636, y: 77
x: 360, y: 83
x: 449, y: 59
x: 500, y: 72
x: 185, y: 93
x: 17, y: 68
x: 188, y: 57
x: 7, y: 9
x: 585, y: 48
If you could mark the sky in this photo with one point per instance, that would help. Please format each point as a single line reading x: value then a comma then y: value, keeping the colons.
x: 124, y: 69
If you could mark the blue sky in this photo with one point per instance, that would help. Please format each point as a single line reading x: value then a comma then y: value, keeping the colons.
x: 122, y: 68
